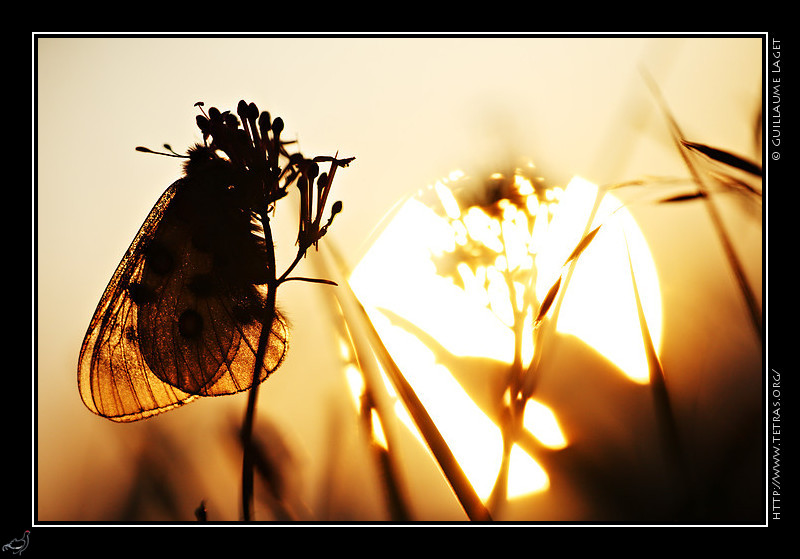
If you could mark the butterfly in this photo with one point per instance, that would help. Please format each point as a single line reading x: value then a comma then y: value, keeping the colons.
x: 183, y: 314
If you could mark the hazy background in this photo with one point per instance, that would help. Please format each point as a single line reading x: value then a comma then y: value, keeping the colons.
x: 409, y: 110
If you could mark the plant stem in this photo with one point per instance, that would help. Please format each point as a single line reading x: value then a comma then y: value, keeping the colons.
x: 263, y: 342
x: 512, y: 415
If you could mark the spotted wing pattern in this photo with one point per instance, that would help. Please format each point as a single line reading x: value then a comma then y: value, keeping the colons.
x: 182, y: 314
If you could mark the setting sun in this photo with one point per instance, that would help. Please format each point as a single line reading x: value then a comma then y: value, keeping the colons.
x: 475, y: 319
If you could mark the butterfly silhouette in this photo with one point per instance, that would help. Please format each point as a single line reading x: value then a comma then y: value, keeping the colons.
x: 185, y: 309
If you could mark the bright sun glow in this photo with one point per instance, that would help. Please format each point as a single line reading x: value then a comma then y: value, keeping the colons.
x: 600, y: 307
x: 378, y: 436
x: 473, y: 319
x: 542, y: 423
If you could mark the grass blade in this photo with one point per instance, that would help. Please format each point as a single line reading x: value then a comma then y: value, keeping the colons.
x: 665, y: 417
x: 547, y: 302
x: 713, y: 213
x: 683, y: 197
x: 725, y: 157
x: 462, y: 488
x: 452, y: 470
x: 583, y: 244
x: 360, y: 358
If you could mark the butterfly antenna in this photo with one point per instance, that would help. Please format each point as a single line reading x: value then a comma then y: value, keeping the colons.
x: 171, y: 153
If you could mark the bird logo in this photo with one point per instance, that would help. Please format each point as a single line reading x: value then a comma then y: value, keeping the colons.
x: 18, y: 545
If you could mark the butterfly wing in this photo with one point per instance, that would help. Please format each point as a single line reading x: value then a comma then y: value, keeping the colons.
x: 177, y: 320
x: 113, y: 379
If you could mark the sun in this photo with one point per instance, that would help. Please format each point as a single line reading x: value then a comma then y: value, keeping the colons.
x: 503, y: 258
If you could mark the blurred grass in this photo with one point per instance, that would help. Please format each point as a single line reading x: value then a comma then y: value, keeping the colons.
x: 357, y: 318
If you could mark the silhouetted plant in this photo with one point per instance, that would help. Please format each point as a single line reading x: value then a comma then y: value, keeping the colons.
x: 185, y: 314
x: 696, y: 156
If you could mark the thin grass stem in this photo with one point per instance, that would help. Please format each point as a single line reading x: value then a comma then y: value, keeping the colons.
x: 454, y: 474
x: 713, y: 213
x: 665, y: 416
x: 558, y: 292
x: 398, y: 508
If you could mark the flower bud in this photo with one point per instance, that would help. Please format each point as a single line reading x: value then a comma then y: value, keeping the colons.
x: 264, y: 124
x: 252, y: 112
